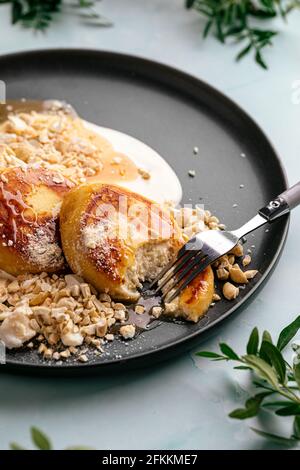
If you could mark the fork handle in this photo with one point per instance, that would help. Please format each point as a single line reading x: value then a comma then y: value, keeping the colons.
x: 282, y: 204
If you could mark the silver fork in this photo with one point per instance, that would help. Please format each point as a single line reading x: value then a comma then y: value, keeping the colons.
x: 206, y: 247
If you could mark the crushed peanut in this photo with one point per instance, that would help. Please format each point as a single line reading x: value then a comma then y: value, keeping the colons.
x: 238, y: 250
x: 144, y: 174
x: 230, y: 292
x: 83, y: 358
x: 251, y: 273
x: 216, y: 297
x: 237, y: 275
x: 222, y: 274
x: 139, y: 309
x: 156, y: 311
x: 246, y: 260
x: 127, y: 331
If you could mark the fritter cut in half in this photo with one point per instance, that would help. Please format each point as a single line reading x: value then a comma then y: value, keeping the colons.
x: 116, y: 240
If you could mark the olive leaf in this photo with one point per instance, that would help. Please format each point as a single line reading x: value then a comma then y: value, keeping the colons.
x: 296, y: 427
x: 297, y: 374
x: 285, y: 441
x: 277, y: 403
x: 40, y: 439
x: 262, y: 369
x: 244, y: 52
x: 16, y: 446
x: 263, y: 354
x: 210, y: 355
x: 242, y: 368
x: 288, y: 333
x: 252, y: 407
x: 189, y: 3
x: 42, y: 442
x: 259, y: 59
x: 290, y: 410
x: 267, y: 337
x: 275, y: 359
x: 227, y: 351
x: 253, y: 342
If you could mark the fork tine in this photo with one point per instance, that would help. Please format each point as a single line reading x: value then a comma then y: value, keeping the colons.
x: 185, y: 270
x: 183, y: 252
x: 184, y: 256
x: 174, y: 270
x: 165, y: 270
x: 190, y: 277
x: 194, y: 245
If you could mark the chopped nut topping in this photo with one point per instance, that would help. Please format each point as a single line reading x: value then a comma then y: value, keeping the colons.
x: 62, y: 313
x: 251, y: 273
x: 222, y: 274
x: 237, y: 275
x: 83, y: 358
x: 216, y: 297
x: 246, y: 260
x: 127, y: 331
x: 144, y: 174
x: 238, y: 250
x: 139, y: 309
x: 156, y: 311
x: 110, y: 337
x: 120, y: 315
x: 230, y: 292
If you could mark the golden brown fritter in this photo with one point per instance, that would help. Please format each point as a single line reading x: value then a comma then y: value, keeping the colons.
x: 30, y: 200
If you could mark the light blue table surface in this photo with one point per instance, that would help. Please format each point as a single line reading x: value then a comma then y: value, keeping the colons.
x: 184, y: 403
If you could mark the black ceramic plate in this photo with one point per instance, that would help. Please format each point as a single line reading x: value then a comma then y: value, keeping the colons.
x: 173, y: 113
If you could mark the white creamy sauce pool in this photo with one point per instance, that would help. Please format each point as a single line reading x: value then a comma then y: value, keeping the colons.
x: 163, y: 185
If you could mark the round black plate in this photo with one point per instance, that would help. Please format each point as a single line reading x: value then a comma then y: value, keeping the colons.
x: 172, y: 112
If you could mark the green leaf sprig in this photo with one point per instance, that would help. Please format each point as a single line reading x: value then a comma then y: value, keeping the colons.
x: 277, y: 382
x: 38, y: 14
x: 238, y: 19
x: 42, y: 442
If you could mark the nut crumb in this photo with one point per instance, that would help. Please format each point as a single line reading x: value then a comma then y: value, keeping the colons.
x: 156, y: 311
x: 216, y: 297
x: 230, y: 292
x: 144, y: 174
x: 83, y: 358
x: 139, y: 309
x: 127, y: 331
x: 110, y: 337
x: 251, y: 273
x: 237, y: 275
x: 246, y: 260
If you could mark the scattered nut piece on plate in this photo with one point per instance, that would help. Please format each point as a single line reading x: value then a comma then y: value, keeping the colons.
x: 251, y: 273
x: 127, y: 331
x: 230, y: 292
x: 156, y: 311
x: 246, y: 260
x: 237, y: 275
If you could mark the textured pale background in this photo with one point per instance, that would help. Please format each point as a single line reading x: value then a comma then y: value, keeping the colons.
x: 181, y: 404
